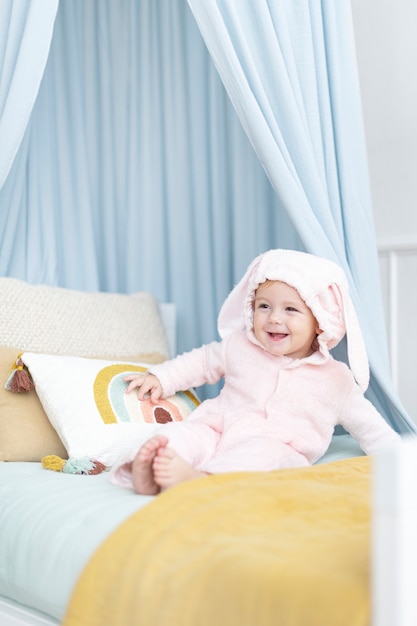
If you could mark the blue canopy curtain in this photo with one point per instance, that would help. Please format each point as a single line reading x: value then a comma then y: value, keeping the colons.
x: 290, y: 71
x: 135, y: 173
x: 25, y: 35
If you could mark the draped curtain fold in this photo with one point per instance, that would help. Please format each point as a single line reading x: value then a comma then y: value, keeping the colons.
x: 25, y: 35
x: 290, y: 71
x: 135, y: 171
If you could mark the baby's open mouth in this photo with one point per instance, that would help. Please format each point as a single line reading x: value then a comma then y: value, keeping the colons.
x: 277, y: 335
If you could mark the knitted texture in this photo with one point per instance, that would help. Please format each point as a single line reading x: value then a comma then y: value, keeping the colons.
x: 56, y: 320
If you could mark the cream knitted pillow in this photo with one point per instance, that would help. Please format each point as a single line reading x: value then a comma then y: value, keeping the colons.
x: 55, y: 320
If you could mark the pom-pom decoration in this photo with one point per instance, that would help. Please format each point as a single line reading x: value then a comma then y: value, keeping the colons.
x: 19, y: 380
x: 72, y: 466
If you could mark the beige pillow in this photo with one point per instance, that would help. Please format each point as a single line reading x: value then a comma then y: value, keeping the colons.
x: 55, y: 320
x: 25, y: 432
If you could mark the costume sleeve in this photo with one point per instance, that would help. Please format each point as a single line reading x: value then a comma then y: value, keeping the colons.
x: 361, y: 419
x: 192, y: 369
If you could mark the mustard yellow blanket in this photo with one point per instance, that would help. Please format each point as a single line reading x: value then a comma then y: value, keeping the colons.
x: 283, y: 548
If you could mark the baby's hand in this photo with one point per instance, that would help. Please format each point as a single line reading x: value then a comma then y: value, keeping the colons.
x: 147, y: 384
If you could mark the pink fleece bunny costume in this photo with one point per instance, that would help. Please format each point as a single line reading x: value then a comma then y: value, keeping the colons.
x: 274, y: 411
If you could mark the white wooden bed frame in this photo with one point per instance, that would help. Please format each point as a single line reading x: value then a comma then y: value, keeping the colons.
x: 394, y: 536
x: 12, y: 614
x: 168, y: 313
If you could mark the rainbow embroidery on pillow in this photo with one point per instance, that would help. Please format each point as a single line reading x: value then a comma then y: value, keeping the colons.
x: 115, y: 406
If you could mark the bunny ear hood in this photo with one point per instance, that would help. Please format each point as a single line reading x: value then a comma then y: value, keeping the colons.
x: 322, y: 285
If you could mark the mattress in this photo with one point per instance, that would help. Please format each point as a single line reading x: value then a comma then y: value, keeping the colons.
x: 51, y: 523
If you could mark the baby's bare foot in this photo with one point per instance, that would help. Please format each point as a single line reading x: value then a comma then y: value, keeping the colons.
x: 170, y: 469
x: 142, y: 466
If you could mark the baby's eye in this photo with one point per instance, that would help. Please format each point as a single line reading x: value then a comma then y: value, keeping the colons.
x: 263, y: 305
x: 291, y: 308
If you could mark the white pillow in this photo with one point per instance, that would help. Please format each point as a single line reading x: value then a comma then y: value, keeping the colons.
x: 86, y: 403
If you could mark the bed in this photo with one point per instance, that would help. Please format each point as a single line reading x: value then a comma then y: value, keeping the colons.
x: 236, y: 549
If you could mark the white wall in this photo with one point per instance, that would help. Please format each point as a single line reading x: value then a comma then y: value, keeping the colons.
x: 387, y: 57
x: 386, y: 41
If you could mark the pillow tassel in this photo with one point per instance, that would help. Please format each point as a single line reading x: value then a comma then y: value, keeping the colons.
x: 53, y: 462
x: 19, y: 379
x: 73, y: 466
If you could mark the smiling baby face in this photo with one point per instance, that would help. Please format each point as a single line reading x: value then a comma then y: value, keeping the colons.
x: 282, y: 322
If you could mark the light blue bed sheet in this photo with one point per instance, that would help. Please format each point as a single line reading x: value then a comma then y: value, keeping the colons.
x: 51, y: 523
